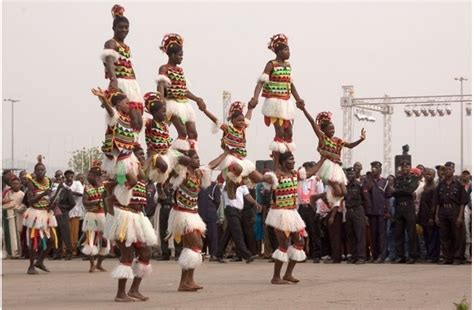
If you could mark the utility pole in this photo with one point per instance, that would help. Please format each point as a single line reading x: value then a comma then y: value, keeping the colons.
x: 13, y: 116
x: 461, y: 80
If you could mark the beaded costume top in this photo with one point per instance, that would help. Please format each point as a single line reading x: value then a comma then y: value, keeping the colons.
x: 157, y: 137
x: 286, y: 192
x: 123, y: 62
x: 95, y: 195
x: 279, y: 84
x: 138, y: 195
x: 38, y: 189
x: 186, y: 194
x: 177, y: 90
x: 120, y: 136
x: 330, y: 148
x: 233, y: 139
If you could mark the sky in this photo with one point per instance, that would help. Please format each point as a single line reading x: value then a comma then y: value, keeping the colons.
x: 51, y: 60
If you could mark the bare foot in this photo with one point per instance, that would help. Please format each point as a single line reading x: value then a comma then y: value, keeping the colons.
x: 196, y: 286
x: 278, y: 281
x: 124, y: 299
x: 92, y: 269
x: 32, y: 270
x: 137, y: 295
x: 100, y: 268
x: 186, y: 288
x: 291, y: 279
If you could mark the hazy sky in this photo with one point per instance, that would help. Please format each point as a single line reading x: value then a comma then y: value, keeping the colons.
x: 51, y: 61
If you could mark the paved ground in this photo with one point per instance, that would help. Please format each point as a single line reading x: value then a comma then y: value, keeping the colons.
x: 238, y: 285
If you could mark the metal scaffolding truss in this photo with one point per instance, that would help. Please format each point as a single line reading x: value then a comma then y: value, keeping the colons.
x: 384, y: 105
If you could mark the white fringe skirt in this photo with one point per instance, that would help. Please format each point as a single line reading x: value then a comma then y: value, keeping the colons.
x: 130, y: 88
x: 183, y: 110
x: 171, y: 159
x: 93, y: 222
x: 330, y: 171
x: 125, y: 166
x: 247, y: 167
x: 39, y: 219
x: 181, y: 223
x: 279, y: 108
x: 130, y: 227
x: 288, y: 220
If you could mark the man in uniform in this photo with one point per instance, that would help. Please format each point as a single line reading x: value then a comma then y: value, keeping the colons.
x: 356, y: 201
x: 379, y: 191
x: 451, y: 197
x: 405, y: 214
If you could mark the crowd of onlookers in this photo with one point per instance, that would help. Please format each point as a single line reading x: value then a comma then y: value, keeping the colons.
x: 409, y: 218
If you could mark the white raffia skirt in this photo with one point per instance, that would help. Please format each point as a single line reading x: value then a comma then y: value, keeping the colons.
x: 183, y: 110
x: 129, y: 227
x: 247, y: 167
x: 130, y: 88
x: 279, y: 108
x: 39, y: 219
x: 287, y: 220
x: 182, y: 222
x: 330, y: 171
x: 127, y: 166
x: 93, y: 222
x: 171, y: 159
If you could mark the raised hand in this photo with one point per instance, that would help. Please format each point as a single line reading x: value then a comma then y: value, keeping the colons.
x: 253, y: 103
x: 362, y: 134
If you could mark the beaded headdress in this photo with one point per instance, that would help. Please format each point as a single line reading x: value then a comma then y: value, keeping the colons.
x: 323, y: 117
x: 169, y: 39
x: 117, y: 11
x: 150, y: 99
x: 277, y: 40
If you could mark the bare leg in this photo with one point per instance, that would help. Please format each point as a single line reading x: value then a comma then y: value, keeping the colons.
x: 191, y: 130
x: 183, y: 283
x: 99, y: 263
x: 136, y: 119
x: 121, y: 296
x: 180, y: 127
x: 31, y: 268
x: 144, y: 255
x: 283, y: 241
x: 39, y: 263
x: 192, y: 241
x: 299, y: 242
x: 280, y: 137
x: 92, y: 267
x: 126, y: 256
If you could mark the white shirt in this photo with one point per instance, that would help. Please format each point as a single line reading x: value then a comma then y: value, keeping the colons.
x: 238, y: 202
x: 78, y: 210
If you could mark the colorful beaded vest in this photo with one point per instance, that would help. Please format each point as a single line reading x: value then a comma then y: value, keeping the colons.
x: 157, y: 137
x: 330, y: 148
x: 38, y: 189
x: 138, y: 195
x: 121, y: 136
x: 234, y: 140
x: 286, y: 192
x: 177, y: 90
x: 95, y: 195
x: 123, y: 65
x: 186, y: 194
x: 279, y: 84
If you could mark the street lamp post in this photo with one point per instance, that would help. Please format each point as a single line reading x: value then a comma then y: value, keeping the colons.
x: 13, y: 114
x: 461, y: 80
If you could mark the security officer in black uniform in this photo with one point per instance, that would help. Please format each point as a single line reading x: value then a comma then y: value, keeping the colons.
x: 451, y: 197
x: 356, y: 203
x: 405, y: 214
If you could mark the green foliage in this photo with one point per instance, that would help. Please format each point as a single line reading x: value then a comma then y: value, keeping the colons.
x: 463, y: 305
x: 81, y: 160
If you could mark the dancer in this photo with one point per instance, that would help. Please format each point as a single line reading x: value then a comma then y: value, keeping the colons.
x: 161, y: 160
x: 233, y: 162
x: 184, y: 222
x: 133, y: 234
x: 172, y: 84
x: 285, y: 219
x: 330, y: 148
x: 278, y: 107
x: 120, y: 164
x: 39, y: 219
x: 119, y: 69
x: 94, y: 221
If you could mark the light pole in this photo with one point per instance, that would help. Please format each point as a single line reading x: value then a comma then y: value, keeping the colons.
x: 13, y: 144
x: 461, y: 80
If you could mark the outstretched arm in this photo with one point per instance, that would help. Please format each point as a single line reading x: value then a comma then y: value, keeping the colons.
x: 356, y: 143
x: 200, y: 103
x: 295, y: 94
x: 211, y: 116
x: 103, y: 99
x: 254, y: 101
x: 310, y: 119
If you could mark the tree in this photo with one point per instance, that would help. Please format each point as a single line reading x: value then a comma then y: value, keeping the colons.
x: 81, y: 160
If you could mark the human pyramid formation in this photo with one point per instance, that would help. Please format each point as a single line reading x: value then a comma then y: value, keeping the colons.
x: 114, y: 206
